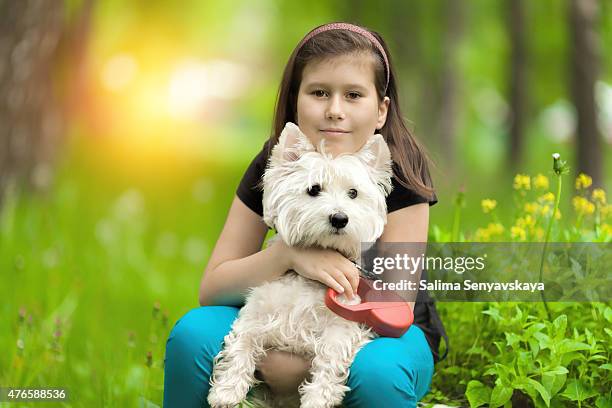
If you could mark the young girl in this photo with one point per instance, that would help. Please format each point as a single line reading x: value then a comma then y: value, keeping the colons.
x: 339, y: 85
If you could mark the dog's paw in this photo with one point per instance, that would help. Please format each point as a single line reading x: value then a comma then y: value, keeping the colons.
x: 313, y: 396
x: 221, y: 397
x: 318, y: 401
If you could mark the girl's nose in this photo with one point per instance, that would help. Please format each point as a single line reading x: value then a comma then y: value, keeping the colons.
x: 334, y: 109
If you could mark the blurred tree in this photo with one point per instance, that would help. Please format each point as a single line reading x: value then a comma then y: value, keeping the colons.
x: 30, y: 121
x: 517, y: 82
x: 37, y: 39
x: 584, y: 62
x: 453, y: 13
x: 415, y: 39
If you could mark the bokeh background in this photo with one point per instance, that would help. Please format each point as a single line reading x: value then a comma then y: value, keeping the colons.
x: 126, y: 126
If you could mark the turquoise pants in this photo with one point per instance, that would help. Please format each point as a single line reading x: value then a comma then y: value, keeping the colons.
x: 387, y: 372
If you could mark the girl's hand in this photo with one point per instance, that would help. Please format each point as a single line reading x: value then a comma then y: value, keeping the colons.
x: 324, y: 265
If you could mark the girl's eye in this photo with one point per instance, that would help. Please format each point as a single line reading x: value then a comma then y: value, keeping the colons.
x: 352, y: 193
x: 319, y: 93
x: 314, y: 190
x: 353, y: 95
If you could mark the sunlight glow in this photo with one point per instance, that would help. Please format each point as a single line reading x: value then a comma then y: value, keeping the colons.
x: 194, y: 84
x: 119, y: 71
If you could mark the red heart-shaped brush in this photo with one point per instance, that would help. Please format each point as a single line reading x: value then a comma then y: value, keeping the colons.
x: 390, y: 318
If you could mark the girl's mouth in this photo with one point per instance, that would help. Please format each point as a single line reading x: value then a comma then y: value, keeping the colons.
x: 334, y: 132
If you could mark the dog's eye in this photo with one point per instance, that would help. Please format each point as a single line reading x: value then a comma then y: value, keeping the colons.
x: 314, y: 190
x: 352, y: 193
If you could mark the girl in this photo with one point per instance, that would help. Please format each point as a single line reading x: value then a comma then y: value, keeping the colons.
x: 339, y: 85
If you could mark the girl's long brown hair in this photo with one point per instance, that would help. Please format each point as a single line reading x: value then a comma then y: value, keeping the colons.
x: 411, y: 162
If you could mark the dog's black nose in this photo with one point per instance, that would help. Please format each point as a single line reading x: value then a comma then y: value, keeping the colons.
x: 338, y: 220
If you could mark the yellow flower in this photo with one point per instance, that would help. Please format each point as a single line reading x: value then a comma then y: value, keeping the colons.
x: 547, y: 198
x: 539, y: 233
x: 495, y: 228
x: 522, y: 181
x: 599, y: 196
x: 540, y: 182
x: 526, y: 222
x: 518, y: 232
x: 583, y: 206
x: 531, y: 208
x: 546, y: 210
x: 488, y: 205
x: 482, y: 234
x: 605, y: 211
x: 485, y: 234
x: 583, y: 181
x: 605, y: 229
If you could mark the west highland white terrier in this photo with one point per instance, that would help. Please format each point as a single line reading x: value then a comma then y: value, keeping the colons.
x: 312, y: 200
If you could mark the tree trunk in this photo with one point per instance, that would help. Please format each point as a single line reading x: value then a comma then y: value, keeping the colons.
x: 35, y: 40
x: 518, y: 82
x: 30, y: 119
x: 453, y: 12
x: 584, y: 62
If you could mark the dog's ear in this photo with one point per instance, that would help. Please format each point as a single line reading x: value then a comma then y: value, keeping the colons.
x: 375, y: 153
x: 292, y: 144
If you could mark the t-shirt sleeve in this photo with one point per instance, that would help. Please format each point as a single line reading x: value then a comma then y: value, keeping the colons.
x: 249, y: 190
x: 401, y: 197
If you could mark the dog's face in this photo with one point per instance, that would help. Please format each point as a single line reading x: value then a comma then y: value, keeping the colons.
x: 315, y: 200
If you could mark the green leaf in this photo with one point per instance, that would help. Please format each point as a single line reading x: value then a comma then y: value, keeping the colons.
x: 560, y: 325
x: 500, y: 395
x: 577, y: 269
x: 490, y: 371
x: 476, y: 350
x: 519, y: 314
x: 504, y: 372
x: 606, y: 367
x: 567, y: 358
x: 567, y: 346
x: 525, y: 363
x: 512, y: 339
x: 536, y: 327
x: 477, y: 394
x: 494, y: 313
x: 577, y: 391
x: 541, y: 390
x: 534, y: 346
x: 603, y: 402
x: 452, y: 370
x: 608, y: 314
x: 554, y: 380
x: 543, y: 340
x: 557, y: 370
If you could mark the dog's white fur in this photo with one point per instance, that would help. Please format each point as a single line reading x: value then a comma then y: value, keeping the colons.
x: 290, y: 314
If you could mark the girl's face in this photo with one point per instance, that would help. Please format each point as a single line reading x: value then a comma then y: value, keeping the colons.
x: 337, y: 102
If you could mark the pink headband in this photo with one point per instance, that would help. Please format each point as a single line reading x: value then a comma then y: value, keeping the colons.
x: 355, y: 29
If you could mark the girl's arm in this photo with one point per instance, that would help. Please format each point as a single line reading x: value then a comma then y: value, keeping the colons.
x: 237, y: 261
x: 409, y: 224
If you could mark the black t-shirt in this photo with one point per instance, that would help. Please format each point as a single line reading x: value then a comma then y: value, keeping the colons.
x: 425, y: 313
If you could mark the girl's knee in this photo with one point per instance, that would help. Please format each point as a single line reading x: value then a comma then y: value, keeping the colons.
x: 382, y: 383
x: 202, y: 328
x: 390, y: 372
x: 191, y: 347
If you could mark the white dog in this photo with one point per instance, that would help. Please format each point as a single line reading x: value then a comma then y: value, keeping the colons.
x: 312, y: 200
